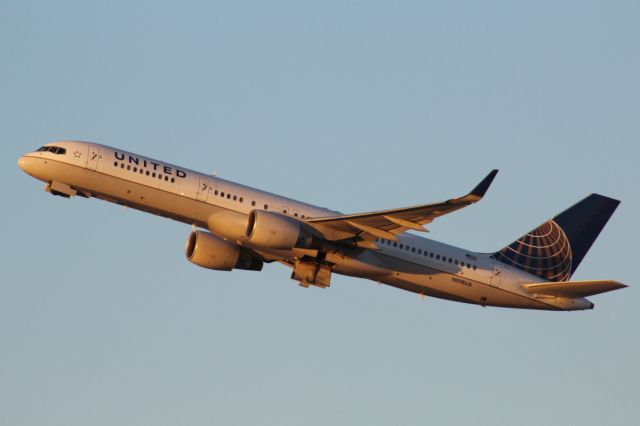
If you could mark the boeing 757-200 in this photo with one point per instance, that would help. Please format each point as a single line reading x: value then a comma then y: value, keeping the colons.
x: 242, y: 228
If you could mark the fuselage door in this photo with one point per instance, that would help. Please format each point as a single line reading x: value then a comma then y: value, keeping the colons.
x: 204, y: 184
x: 93, y: 158
x: 496, y: 275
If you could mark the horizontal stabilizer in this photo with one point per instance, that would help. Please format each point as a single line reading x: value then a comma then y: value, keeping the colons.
x: 575, y: 288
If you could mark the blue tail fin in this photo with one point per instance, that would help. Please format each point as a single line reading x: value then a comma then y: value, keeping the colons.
x: 554, y: 250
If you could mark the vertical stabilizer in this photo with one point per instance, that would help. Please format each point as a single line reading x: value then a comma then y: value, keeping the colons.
x: 554, y: 250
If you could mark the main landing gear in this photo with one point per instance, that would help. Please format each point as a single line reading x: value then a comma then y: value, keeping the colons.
x: 312, y: 272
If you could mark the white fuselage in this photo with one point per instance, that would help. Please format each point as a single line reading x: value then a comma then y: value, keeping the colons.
x: 412, y: 263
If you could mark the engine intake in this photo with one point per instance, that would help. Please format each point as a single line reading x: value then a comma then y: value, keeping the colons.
x: 277, y: 231
x: 208, y: 251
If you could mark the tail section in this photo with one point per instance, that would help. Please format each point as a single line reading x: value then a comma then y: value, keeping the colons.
x: 554, y: 250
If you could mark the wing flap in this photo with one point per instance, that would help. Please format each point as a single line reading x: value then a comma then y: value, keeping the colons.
x: 575, y: 288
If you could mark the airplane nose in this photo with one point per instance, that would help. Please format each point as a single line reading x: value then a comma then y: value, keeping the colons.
x: 28, y: 164
x: 22, y: 163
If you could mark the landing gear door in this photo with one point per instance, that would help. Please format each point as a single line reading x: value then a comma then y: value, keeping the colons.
x: 204, y: 183
x: 93, y: 158
x: 496, y: 275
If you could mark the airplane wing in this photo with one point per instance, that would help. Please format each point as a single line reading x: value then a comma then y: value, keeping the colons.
x: 575, y: 288
x: 387, y: 223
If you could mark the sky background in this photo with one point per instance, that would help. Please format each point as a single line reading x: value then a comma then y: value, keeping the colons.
x: 354, y: 106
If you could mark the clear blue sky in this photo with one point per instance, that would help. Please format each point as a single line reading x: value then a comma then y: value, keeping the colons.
x: 350, y: 105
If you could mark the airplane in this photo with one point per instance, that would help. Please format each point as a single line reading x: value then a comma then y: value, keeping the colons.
x: 240, y: 227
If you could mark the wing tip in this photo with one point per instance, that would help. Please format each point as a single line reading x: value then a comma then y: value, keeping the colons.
x: 484, y: 185
x: 618, y: 285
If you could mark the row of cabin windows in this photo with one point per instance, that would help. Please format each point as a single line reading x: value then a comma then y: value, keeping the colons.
x: 229, y: 196
x: 172, y: 179
x: 142, y: 171
x: 426, y: 253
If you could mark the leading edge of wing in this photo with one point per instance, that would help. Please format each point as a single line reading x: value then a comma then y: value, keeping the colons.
x: 475, y: 195
x: 405, y: 218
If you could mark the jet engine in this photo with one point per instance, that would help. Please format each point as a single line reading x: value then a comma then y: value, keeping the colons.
x: 207, y: 250
x: 277, y: 231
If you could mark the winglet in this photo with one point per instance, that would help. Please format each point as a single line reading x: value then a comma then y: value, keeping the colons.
x: 482, y: 187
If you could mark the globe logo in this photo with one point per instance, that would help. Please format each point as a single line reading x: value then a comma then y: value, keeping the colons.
x: 545, y: 252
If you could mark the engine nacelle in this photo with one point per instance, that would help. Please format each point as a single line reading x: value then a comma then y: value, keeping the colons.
x: 277, y: 231
x: 208, y: 251
x: 228, y: 224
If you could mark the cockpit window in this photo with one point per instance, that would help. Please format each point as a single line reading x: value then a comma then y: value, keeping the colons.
x: 52, y: 149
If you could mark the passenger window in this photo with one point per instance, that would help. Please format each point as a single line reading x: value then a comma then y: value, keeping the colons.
x: 173, y: 180
x: 235, y: 198
x: 147, y: 172
x: 115, y: 163
x: 437, y: 256
x: 241, y: 200
x: 166, y: 178
x: 266, y: 206
x: 228, y: 196
x: 135, y: 169
x: 413, y: 249
x: 122, y: 165
x: 215, y: 192
x: 253, y: 203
